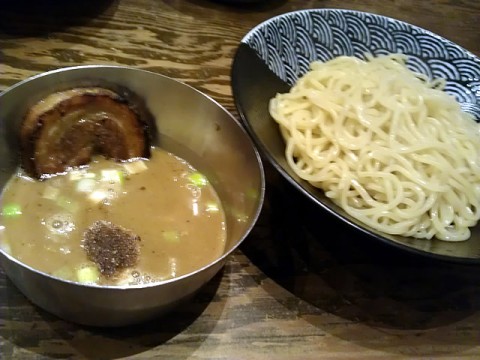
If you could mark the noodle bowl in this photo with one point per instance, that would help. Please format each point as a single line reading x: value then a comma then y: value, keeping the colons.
x: 387, y: 145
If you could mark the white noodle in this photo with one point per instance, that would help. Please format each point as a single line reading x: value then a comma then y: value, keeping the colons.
x: 388, y: 145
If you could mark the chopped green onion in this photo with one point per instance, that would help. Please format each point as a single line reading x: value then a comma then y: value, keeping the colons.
x: 171, y: 236
x: 86, y: 185
x: 50, y: 192
x: 80, y: 174
x: 112, y: 176
x: 11, y: 210
x: 75, y: 175
x: 88, y: 275
x: 212, y: 207
x: 198, y: 179
x: 135, y: 167
x: 98, y: 195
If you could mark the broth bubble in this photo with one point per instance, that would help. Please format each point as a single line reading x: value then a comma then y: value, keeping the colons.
x: 59, y: 223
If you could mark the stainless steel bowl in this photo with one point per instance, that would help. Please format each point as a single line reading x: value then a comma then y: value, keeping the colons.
x: 189, y: 124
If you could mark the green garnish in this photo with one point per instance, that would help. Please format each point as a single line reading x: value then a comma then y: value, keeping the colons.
x: 11, y: 210
x: 81, y: 174
x: 86, y: 185
x: 135, y: 167
x: 198, y: 179
x: 212, y: 207
x: 88, y: 275
x: 113, y: 176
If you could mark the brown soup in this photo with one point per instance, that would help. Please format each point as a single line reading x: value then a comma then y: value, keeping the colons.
x: 164, y: 200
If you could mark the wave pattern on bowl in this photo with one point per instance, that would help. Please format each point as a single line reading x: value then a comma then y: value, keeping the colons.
x: 290, y: 42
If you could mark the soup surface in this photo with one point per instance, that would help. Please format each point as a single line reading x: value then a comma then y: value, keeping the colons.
x: 164, y: 200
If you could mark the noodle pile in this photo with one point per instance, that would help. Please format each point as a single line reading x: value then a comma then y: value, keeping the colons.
x: 387, y: 145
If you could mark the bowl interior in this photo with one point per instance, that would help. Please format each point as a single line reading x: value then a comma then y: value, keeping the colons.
x: 273, y: 55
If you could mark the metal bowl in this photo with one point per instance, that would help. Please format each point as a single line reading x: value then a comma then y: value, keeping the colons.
x: 274, y: 54
x: 189, y: 124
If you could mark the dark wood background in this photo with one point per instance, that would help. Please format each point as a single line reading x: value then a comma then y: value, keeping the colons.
x: 301, y: 286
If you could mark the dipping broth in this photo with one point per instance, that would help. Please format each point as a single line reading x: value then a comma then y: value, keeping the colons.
x: 164, y: 200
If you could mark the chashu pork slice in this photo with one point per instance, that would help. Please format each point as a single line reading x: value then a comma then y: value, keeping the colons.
x: 66, y: 128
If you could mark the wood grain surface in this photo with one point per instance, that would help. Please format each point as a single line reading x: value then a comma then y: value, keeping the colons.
x: 301, y: 286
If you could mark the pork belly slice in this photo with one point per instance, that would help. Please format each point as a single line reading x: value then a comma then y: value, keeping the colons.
x: 66, y: 129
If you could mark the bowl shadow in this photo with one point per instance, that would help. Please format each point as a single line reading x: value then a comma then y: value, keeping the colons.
x: 32, y: 329
x: 318, y: 259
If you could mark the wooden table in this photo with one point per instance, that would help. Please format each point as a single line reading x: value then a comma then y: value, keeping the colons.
x: 298, y: 288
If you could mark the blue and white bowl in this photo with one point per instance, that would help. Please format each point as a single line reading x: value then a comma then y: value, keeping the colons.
x: 289, y: 43
x: 274, y: 54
